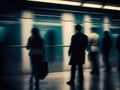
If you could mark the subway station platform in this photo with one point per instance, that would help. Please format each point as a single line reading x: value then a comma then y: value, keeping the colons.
x: 57, y: 81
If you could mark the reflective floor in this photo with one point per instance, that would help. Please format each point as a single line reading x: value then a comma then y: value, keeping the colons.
x: 57, y: 81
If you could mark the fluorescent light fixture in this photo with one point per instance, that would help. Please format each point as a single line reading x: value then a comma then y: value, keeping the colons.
x: 48, y: 24
x: 59, y: 2
x: 111, y: 7
x: 92, y: 5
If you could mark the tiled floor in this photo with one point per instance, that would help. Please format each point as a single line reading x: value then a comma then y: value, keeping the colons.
x: 57, y: 81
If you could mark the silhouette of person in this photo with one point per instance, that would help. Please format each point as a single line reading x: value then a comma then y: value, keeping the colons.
x: 118, y: 48
x: 2, y: 58
x: 36, y: 46
x: 79, y: 42
x: 93, y: 49
x: 106, y: 46
x: 4, y: 38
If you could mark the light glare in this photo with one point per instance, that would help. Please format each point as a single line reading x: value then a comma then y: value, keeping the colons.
x: 111, y: 7
x: 59, y: 2
x: 92, y: 5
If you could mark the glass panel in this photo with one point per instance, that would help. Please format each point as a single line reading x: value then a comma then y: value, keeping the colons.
x: 10, y: 57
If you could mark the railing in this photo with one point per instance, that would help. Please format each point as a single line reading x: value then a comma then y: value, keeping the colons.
x: 22, y: 46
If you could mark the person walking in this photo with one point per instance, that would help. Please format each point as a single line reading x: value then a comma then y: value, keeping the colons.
x: 106, y: 46
x: 36, y: 46
x: 93, y: 49
x: 79, y: 42
x: 118, y: 48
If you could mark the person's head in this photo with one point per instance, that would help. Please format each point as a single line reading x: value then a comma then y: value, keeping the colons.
x: 35, y: 31
x: 106, y: 33
x: 78, y: 28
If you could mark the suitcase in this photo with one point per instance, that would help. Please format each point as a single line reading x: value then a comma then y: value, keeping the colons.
x: 43, y: 70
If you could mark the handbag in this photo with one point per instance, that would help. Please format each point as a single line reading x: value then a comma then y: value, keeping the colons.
x: 43, y: 70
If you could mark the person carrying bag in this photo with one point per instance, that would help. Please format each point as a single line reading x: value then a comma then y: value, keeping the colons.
x: 35, y: 45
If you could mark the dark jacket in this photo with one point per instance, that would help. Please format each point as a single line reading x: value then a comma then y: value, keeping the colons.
x: 77, y: 48
x: 36, y: 45
x: 118, y: 43
x: 106, y: 44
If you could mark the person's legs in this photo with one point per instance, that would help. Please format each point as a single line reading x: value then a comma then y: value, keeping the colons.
x: 34, y: 60
x: 119, y: 62
x: 73, y: 71
x: 91, y: 60
x: 106, y: 61
x: 32, y: 68
x: 36, y: 82
x: 37, y: 61
x: 80, y: 70
x: 72, y: 74
x: 94, y: 56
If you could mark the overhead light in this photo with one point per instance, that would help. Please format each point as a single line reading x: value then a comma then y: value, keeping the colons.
x: 92, y: 5
x: 59, y: 2
x: 111, y: 7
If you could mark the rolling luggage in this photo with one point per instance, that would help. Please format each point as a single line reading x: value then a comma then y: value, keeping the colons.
x: 43, y: 70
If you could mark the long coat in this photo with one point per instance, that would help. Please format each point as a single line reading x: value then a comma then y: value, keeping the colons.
x: 79, y: 43
x: 118, y: 43
x: 106, y: 44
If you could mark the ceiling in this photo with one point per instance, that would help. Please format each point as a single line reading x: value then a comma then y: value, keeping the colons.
x: 6, y: 5
x: 117, y: 2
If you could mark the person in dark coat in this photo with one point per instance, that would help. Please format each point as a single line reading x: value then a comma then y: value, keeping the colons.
x: 118, y: 48
x: 36, y: 46
x: 106, y: 46
x: 79, y: 42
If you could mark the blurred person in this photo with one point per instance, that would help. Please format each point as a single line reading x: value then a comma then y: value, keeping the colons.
x: 118, y: 48
x: 106, y: 45
x: 36, y: 46
x: 79, y: 42
x: 93, y: 49
x: 4, y: 39
x: 2, y: 58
